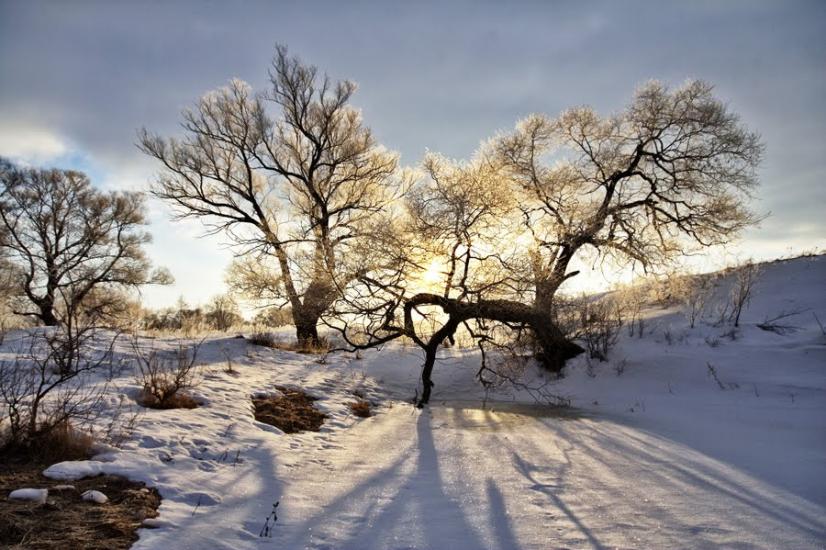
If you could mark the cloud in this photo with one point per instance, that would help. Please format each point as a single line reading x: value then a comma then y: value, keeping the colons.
x: 30, y: 144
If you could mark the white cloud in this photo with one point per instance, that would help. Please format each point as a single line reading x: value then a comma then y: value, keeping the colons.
x: 31, y: 145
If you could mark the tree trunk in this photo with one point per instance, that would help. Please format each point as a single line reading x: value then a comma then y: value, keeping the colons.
x: 554, y: 348
x: 47, y: 315
x: 446, y: 332
x: 427, y: 372
x: 306, y: 331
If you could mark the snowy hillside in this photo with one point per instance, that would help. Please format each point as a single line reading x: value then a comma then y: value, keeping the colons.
x: 685, y: 438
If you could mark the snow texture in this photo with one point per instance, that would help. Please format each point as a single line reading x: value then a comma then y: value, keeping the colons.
x: 654, y: 452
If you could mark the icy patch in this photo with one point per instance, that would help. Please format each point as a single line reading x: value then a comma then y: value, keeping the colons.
x: 34, y: 495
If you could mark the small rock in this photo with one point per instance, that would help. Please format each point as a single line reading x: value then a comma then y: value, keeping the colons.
x: 95, y: 496
x: 34, y: 495
x: 64, y: 488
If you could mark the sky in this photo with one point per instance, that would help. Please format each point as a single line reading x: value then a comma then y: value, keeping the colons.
x: 78, y: 79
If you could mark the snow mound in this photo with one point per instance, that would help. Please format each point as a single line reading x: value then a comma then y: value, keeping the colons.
x: 73, y: 470
x: 95, y: 496
x: 34, y: 495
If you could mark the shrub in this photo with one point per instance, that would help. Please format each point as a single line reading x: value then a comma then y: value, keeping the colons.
x: 266, y: 339
x: 360, y: 408
x: 742, y: 289
x: 164, y: 381
x: 48, y: 393
x: 599, y: 326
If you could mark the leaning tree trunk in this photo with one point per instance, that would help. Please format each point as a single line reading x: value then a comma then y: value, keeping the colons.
x: 446, y: 332
x: 554, y: 348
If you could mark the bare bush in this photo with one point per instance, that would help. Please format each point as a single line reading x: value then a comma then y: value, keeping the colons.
x: 48, y: 394
x: 631, y: 300
x: 600, y: 322
x: 775, y: 324
x: 742, y: 290
x: 164, y: 380
x: 274, y: 317
x: 698, y: 292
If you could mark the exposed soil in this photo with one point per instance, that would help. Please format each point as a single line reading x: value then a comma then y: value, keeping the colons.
x: 67, y: 521
x: 292, y: 411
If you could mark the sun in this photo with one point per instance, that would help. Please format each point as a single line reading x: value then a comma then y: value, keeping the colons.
x: 434, y: 274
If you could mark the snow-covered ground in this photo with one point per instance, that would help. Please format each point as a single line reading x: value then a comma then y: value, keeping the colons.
x: 658, y: 456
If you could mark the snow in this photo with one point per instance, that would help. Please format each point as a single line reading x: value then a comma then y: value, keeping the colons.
x: 658, y: 456
x: 95, y: 496
x: 35, y: 495
x: 68, y: 471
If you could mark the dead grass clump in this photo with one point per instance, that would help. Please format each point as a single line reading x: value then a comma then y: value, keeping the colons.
x: 361, y: 408
x: 65, y: 519
x: 174, y: 401
x: 58, y: 443
x: 63, y: 442
x: 266, y: 339
x: 292, y: 411
x: 322, y: 347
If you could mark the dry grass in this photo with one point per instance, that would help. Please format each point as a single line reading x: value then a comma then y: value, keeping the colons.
x: 57, y: 443
x: 63, y: 442
x: 268, y: 339
x: 361, y: 408
x: 292, y: 412
x: 65, y: 520
x: 177, y: 400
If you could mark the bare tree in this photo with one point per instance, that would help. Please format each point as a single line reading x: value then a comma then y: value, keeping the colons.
x: 670, y: 173
x: 222, y: 312
x: 68, y: 240
x: 294, y: 192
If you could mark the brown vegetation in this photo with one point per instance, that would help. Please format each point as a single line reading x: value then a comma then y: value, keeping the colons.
x: 292, y: 411
x: 65, y: 520
x: 165, y: 381
x: 268, y: 339
x: 361, y: 408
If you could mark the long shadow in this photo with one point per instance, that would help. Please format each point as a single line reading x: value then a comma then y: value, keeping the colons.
x: 498, y: 516
x: 428, y: 474
x: 338, y: 505
x: 527, y: 470
x: 702, y: 475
